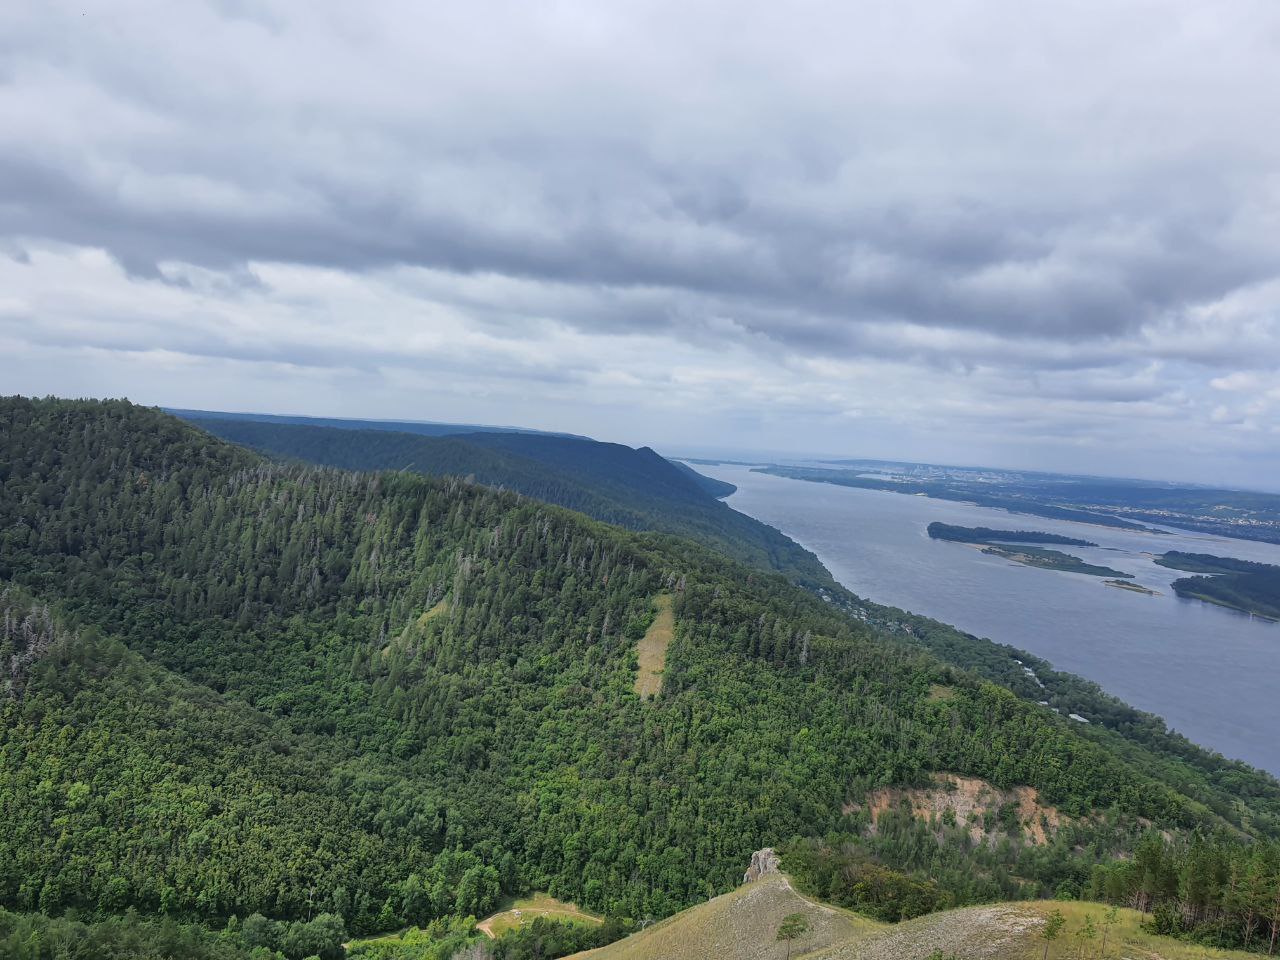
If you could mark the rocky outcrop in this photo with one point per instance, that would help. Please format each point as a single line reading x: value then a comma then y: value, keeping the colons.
x: 762, y: 862
x: 973, y: 804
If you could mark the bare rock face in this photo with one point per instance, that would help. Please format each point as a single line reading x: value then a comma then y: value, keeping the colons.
x: 762, y: 862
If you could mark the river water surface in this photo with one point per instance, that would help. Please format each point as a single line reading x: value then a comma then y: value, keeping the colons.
x: 1212, y: 673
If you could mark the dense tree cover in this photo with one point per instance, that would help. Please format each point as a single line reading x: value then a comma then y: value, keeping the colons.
x: 1241, y: 584
x: 949, y: 531
x: 937, y: 864
x: 1218, y: 889
x: 637, y: 489
x: 321, y: 937
x: 544, y: 938
x: 1256, y: 593
x: 263, y: 688
x: 1235, y: 791
x: 27, y: 936
x: 1207, y: 776
x: 445, y: 938
x: 454, y: 938
x: 1208, y: 563
x: 848, y: 876
x: 424, y: 428
x: 35, y: 936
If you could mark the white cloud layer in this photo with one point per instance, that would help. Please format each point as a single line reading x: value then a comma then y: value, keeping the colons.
x: 979, y: 232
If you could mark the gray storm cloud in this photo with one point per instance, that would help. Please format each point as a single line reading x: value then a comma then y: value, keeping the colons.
x: 806, y: 208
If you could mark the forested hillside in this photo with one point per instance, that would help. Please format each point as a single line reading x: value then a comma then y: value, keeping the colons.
x: 232, y: 686
x: 637, y: 489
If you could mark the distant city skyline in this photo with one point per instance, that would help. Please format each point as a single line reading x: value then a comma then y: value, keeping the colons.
x: 979, y: 233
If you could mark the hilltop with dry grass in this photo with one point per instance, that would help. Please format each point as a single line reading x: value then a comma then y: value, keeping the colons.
x: 740, y: 925
x: 743, y: 925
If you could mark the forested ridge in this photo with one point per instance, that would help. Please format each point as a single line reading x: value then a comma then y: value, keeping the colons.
x: 624, y: 486
x: 231, y: 686
x: 637, y: 489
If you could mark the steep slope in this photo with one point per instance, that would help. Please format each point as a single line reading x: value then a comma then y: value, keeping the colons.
x: 637, y: 489
x: 396, y: 697
x: 608, y: 489
x: 717, y: 488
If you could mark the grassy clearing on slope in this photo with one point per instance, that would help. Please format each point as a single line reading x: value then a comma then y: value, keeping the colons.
x: 413, y: 632
x: 1011, y: 931
x: 1126, y: 939
x: 434, y: 612
x: 653, y: 648
x: 405, y: 935
x: 525, y: 910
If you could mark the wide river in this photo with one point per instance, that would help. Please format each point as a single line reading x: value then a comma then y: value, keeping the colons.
x: 1212, y: 673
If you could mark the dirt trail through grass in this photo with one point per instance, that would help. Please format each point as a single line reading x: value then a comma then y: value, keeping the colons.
x: 525, y: 910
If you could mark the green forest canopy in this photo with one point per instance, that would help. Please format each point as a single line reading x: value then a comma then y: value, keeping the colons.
x: 220, y: 697
x: 1240, y: 584
x: 637, y: 489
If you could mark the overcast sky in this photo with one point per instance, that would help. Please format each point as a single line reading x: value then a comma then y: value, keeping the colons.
x: 1000, y: 232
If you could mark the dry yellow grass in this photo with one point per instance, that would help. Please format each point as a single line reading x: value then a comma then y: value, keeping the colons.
x: 741, y: 925
x: 413, y: 631
x: 434, y: 612
x: 653, y: 648
x: 998, y: 932
x: 1125, y: 941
